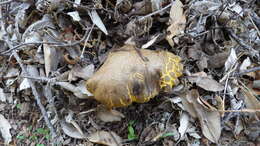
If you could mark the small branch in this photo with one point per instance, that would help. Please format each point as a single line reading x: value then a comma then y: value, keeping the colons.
x: 6, y: 2
x: 253, y: 52
x: 156, y: 12
x: 40, y: 79
x: 56, y: 44
x: 83, y: 50
x: 37, y: 96
x: 79, y: 5
x: 258, y: 32
x: 254, y: 69
x: 238, y: 40
x: 25, y: 44
x: 241, y: 110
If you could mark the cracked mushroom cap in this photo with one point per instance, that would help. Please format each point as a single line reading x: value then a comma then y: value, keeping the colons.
x: 129, y: 75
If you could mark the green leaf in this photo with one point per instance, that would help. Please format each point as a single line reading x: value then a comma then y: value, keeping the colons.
x: 30, y: 128
x: 42, y: 131
x: 167, y: 134
x: 18, y: 106
x: 39, y: 144
x: 131, y: 132
x: 48, y: 137
x: 20, y: 137
x: 33, y: 137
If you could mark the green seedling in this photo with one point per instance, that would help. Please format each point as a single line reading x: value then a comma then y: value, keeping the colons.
x: 131, y: 132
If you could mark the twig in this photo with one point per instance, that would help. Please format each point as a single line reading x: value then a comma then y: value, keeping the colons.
x: 37, y: 96
x: 40, y: 79
x: 241, y: 110
x: 254, y: 69
x: 238, y: 40
x: 241, y: 42
x: 79, y: 5
x: 258, y: 32
x: 6, y: 2
x: 56, y: 44
x: 155, y: 12
x: 83, y: 50
x: 25, y: 44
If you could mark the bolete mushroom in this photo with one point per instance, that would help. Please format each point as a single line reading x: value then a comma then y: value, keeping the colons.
x: 130, y: 75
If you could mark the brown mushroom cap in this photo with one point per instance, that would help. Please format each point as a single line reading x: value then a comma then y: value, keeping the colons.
x: 130, y: 76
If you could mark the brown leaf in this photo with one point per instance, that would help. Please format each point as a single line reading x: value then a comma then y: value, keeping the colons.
x: 109, y: 115
x: 105, y: 138
x: 129, y: 75
x: 250, y: 99
x: 209, y: 120
x: 206, y: 83
x: 177, y: 21
x: 51, y: 59
x: 188, y: 106
x: 217, y: 60
x: 71, y: 131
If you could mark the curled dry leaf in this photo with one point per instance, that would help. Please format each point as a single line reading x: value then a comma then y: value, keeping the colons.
x: 246, y: 63
x: 71, y: 131
x: 129, y: 75
x: 177, y: 21
x: 105, y: 138
x: 232, y: 59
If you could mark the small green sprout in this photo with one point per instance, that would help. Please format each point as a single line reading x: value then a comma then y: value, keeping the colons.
x: 131, y: 132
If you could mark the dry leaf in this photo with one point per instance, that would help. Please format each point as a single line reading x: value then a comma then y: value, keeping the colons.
x: 51, y: 58
x: 69, y: 119
x: 83, y: 72
x: 177, y: 21
x: 76, y: 90
x: 24, y: 85
x: 250, y: 99
x: 184, y: 123
x: 75, y: 15
x: 209, y: 120
x: 2, y: 95
x: 5, y: 129
x: 105, y: 138
x: 193, y: 132
x: 129, y: 75
x: 109, y: 115
x: 232, y: 59
x: 188, y: 106
x: 246, y: 63
x: 205, y: 6
x: 97, y: 21
x: 218, y: 60
x: 151, y: 42
x: 71, y: 131
x: 206, y: 83
x: 220, y: 104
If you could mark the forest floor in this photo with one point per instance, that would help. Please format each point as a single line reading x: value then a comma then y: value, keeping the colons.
x: 49, y: 49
